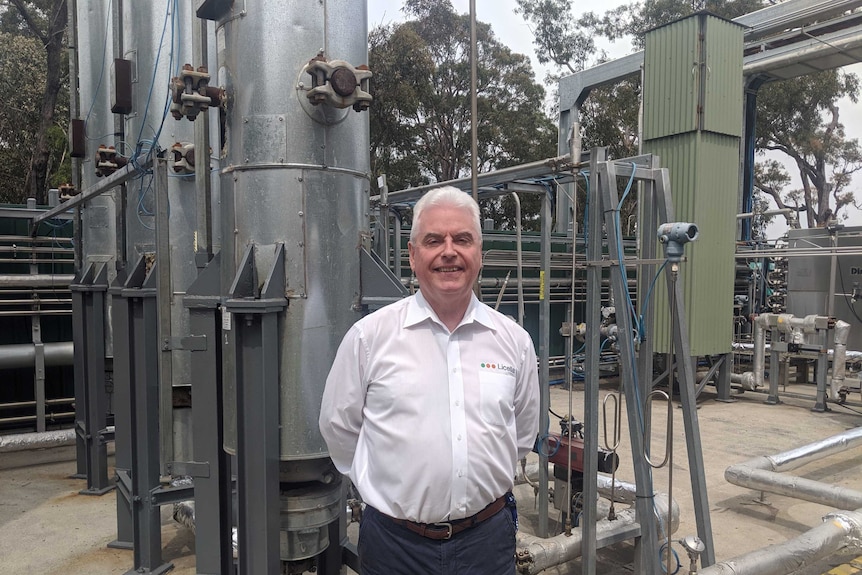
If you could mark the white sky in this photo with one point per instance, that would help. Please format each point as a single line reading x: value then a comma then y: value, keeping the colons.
x: 511, y: 29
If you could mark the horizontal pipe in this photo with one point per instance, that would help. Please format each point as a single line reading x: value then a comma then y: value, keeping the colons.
x: 535, y: 554
x: 41, y: 440
x: 19, y: 355
x: 838, y: 531
x: 29, y: 418
x: 764, y: 473
x: 36, y: 280
x: 17, y: 404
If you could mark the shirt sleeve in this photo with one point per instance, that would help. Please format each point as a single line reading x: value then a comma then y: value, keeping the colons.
x: 527, y: 401
x: 343, y: 400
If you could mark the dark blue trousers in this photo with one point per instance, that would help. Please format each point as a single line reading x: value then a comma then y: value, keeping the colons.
x: 386, y: 548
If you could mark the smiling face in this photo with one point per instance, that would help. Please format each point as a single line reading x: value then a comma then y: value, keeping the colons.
x: 446, y: 256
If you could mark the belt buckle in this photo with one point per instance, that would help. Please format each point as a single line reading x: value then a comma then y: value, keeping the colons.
x: 447, y: 526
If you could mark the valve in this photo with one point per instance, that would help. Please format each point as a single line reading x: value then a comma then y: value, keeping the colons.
x: 183, y: 154
x: 694, y: 547
x: 67, y: 192
x: 107, y: 161
x: 192, y: 94
x: 338, y: 84
x: 674, y: 236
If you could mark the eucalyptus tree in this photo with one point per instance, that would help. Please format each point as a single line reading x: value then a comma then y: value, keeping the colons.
x: 420, y: 118
x: 33, y: 75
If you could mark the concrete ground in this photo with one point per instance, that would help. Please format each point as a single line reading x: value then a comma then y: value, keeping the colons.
x: 47, y: 527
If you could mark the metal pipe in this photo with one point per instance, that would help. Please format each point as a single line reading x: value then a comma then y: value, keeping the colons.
x: 29, y: 418
x: 760, y: 323
x: 17, y: 404
x: 24, y: 354
x: 778, y: 212
x: 746, y: 380
x: 764, y: 473
x: 42, y: 440
x: 838, y: 530
x: 839, y: 357
x: 535, y: 554
x: 37, y: 280
x: 520, y: 260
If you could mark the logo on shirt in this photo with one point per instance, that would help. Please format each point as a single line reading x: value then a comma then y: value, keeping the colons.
x: 500, y: 367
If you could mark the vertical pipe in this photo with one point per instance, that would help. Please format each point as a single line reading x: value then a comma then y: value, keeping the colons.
x: 593, y: 239
x: 839, y: 357
x: 474, y: 108
x: 520, y: 256
x: 544, y: 354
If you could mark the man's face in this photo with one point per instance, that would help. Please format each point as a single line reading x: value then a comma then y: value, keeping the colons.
x: 446, y: 256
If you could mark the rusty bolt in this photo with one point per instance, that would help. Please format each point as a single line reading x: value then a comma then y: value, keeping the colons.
x: 343, y: 82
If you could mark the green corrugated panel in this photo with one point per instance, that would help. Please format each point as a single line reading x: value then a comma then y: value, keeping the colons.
x: 702, y: 156
x: 723, y: 98
x: 680, y: 76
x: 704, y: 190
x: 670, y: 95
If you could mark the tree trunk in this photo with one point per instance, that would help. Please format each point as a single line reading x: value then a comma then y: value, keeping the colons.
x: 38, y: 177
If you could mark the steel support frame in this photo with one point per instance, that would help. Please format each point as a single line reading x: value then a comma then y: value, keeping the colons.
x: 603, y: 204
x: 91, y: 397
x: 687, y: 384
x: 137, y: 375
x: 213, y: 489
x: 255, y: 320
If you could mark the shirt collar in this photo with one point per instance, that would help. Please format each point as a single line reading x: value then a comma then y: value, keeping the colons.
x: 419, y: 310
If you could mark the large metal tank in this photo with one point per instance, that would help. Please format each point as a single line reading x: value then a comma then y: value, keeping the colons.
x: 809, y: 277
x: 98, y: 216
x: 296, y: 174
x: 158, y: 40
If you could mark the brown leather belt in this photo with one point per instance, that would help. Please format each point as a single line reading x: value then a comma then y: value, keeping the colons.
x: 446, y: 530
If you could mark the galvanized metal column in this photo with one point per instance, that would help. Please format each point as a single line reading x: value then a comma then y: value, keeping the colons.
x: 91, y: 399
x: 592, y: 362
x: 605, y: 202
x: 688, y: 396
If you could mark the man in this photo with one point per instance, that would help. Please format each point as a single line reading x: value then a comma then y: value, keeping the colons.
x: 428, y: 406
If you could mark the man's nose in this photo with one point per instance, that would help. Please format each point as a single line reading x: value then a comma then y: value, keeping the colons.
x: 449, y: 247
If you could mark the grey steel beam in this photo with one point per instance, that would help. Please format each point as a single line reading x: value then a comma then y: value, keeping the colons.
x: 592, y: 366
x: 606, y: 202
x: 164, y: 303
x: 118, y: 178
x: 544, y: 359
x: 687, y: 384
x: 140, y: 292
x: 213, y: 508
x: 120, y: 317
x: 574, y: 89
x: 257, y: 412
x: 91, y: 413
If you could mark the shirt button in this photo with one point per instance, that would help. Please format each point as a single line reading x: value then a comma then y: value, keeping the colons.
x: 457, y: 402
x: 459, y: 437
x: 460, y: 473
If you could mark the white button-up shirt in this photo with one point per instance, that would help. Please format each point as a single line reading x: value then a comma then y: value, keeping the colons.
x: 429, y: 424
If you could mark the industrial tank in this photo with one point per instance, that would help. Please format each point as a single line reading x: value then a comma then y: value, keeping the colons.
x: 295, y: 182
x: 296, y: 174
x: 98, y: 216
x: 158, y: 41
